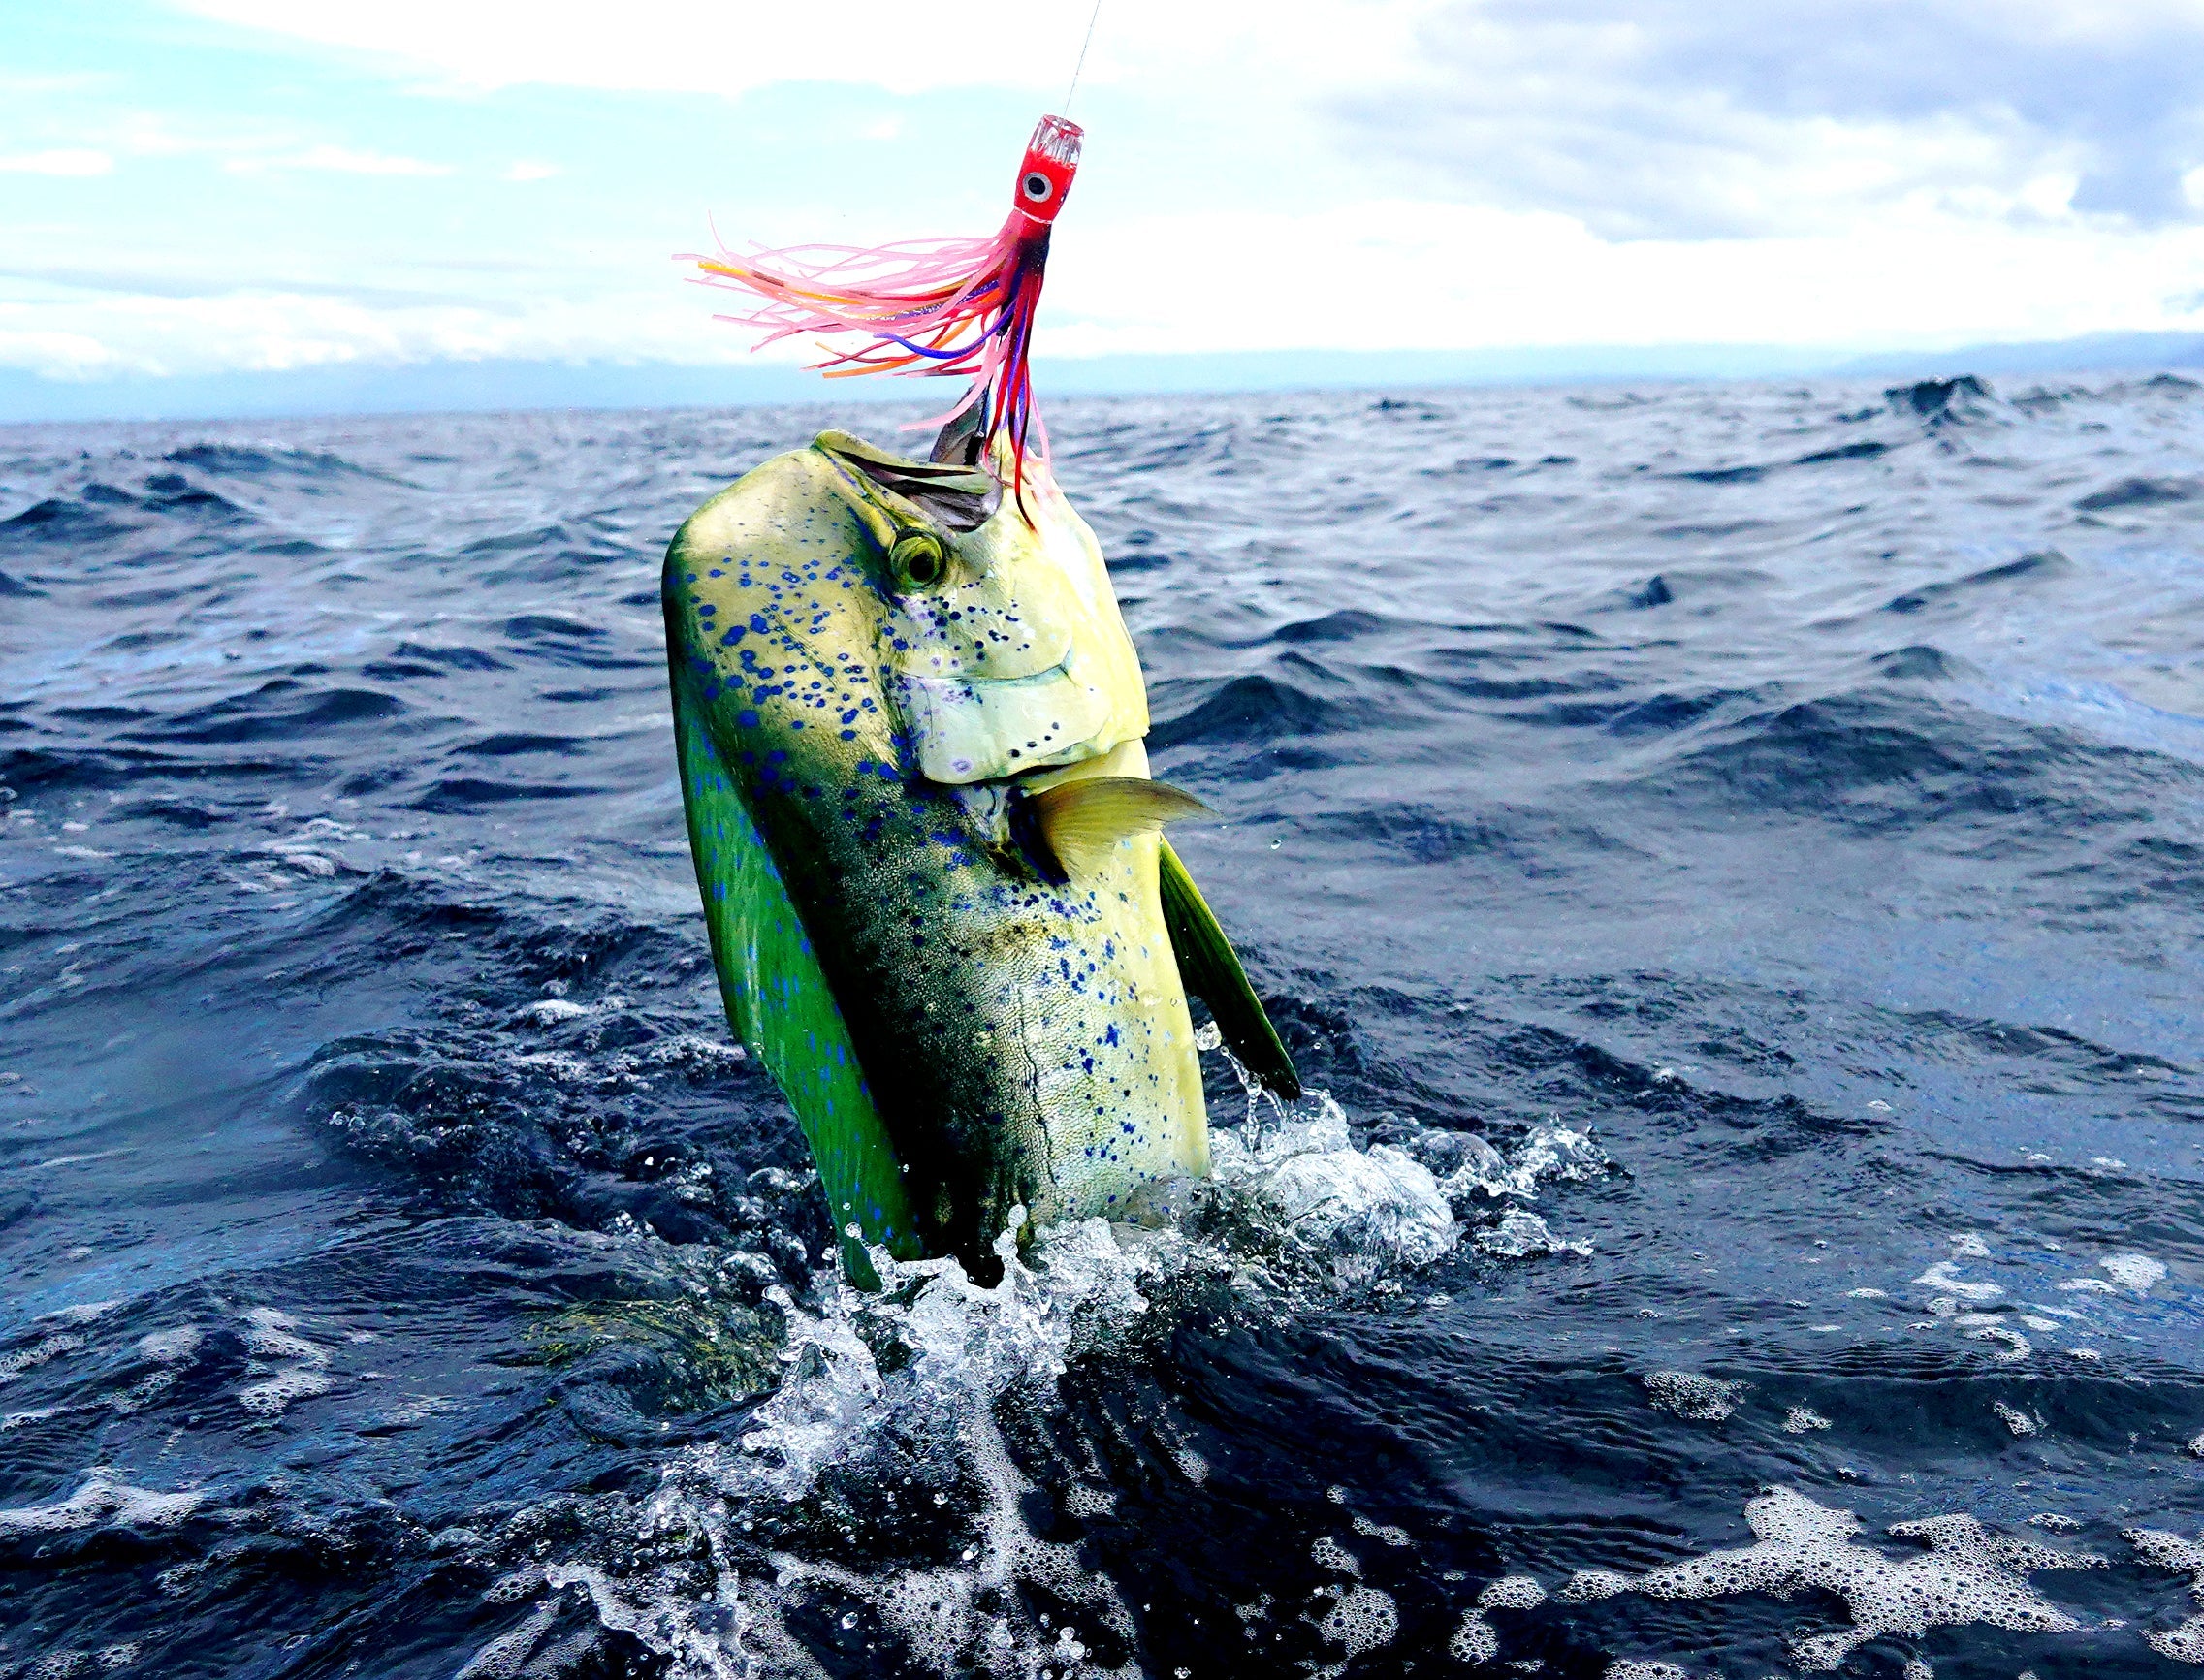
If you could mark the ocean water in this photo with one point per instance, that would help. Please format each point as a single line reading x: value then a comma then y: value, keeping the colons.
x: 1731, y: 859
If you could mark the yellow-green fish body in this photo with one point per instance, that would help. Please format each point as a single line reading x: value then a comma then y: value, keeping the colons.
x: 909, y: 733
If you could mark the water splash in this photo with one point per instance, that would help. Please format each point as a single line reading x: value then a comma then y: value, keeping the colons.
x: 876, y: 1494
x: 1291, y: 1173
x: 1350, y: 1213
x: 886, y: 1438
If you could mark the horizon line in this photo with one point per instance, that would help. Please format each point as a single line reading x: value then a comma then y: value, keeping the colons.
x: 517, y: 384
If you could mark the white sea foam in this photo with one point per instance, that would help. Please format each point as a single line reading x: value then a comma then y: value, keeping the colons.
x: 289, y: 1367
x: 101, y: 1500
x: 958, y: 1350
x: 1688, y: 1394
x: 1402, y: 1207
x: 2169, y: 1551
x: 694, y: 1052
x: 50, y: 1348
x: 1968, y: 1574
x: 2013, y: 1418
x: 1586, y: 1586
x: 269, y: 1336
x: 1944, y: 1276
x: 562, y: 1066
x: 1476, y: 1639
x: 1361, y: 1620
x: 81, y: 1313
x: 170, y: 1346
x: 1328, y: 1554
x: 2016, y: 1345
x: 1390, y: 1534
x: 551, y: 1012
x: 2133, y: 1272
x: 1512, y: 1593
x: 272, y: 1395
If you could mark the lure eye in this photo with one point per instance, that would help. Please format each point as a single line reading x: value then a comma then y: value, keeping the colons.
x: 1036, y: 186
x: 919, y: 561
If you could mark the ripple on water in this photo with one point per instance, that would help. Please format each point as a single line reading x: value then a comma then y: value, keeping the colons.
x: 1713, y: 843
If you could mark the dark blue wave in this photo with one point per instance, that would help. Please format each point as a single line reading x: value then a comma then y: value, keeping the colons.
x: 1796, y: 787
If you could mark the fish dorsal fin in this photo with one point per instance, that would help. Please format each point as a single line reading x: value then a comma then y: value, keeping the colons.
x: 1081, y: 822
x: 958, y: 498
x: 1210, y: 968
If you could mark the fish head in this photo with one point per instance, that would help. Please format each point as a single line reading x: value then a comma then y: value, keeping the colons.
x: 1001, y: 645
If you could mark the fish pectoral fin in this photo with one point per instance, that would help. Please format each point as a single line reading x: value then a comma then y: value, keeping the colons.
x: 1210, y: 968
x: 1082, y: 822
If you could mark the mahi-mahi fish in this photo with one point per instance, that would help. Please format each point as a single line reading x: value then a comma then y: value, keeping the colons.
x: 910, y: 723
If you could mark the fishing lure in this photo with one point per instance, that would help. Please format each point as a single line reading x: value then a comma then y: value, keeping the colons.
x: 932, y: 308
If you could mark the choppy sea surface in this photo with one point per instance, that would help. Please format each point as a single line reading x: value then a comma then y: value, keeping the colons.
x: 1731, y: 859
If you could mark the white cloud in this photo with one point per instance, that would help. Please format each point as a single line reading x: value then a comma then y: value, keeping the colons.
x: 1379, y: 275
x: 661, y: 43
x: 56, y: 354
x: 267, y: 329
x: 336, y: 160
x: 1391, y: 274
x: 20, y: 84
x: 1645, y: 118
x: 1712, y: 118
x: 69, y: 161
x: 714, y: 47
x: 1354, y: 173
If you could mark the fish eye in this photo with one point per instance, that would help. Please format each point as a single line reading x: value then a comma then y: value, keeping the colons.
x: 1037, y: 186
x: 917, y: 559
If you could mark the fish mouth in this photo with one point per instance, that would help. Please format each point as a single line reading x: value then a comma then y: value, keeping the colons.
x: 995, y: 729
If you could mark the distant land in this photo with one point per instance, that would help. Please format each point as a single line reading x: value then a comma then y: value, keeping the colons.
x: 446, y: 386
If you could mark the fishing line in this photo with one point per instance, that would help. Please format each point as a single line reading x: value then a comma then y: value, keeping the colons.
x: 1092, y: 18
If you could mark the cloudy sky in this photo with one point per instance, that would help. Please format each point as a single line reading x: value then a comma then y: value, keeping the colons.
x: 229, y: 185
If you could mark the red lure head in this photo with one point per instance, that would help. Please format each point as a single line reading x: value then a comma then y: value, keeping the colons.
x: 1052, y: 158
